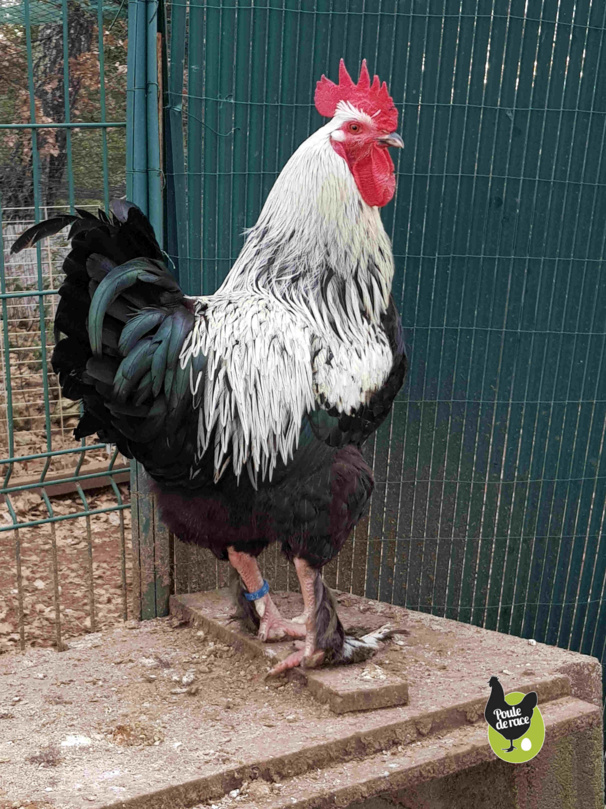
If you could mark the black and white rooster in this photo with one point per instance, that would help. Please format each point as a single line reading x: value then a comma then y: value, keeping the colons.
x: 248, y: 407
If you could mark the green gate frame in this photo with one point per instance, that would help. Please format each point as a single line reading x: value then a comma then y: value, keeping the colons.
x: 28, y: 13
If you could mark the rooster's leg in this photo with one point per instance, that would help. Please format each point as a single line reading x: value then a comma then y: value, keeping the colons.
x: 326, y: 641
x: 272, y: 626
x: 310, y: 655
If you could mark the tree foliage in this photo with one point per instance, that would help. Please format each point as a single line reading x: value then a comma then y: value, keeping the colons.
x: 44, y: 91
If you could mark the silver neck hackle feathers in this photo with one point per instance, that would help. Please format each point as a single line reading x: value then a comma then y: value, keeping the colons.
x: 297, y: 322
x: 316, y: 242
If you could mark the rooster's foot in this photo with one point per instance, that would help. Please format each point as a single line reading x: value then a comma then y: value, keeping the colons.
x: 302, y: 658
x: 274, y: 627
x: 271, y: 624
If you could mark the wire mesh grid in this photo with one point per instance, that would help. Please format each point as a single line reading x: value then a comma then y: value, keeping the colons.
x: 490, y: 497
x: 64, y: 515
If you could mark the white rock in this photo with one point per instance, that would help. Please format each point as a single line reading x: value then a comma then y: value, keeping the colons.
x: 111, y: 774
x: 76, y: 741
x: 189, y: 678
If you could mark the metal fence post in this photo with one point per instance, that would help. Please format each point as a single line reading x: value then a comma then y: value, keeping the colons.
x: 151, y: 540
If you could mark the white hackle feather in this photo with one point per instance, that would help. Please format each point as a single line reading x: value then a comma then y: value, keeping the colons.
x: 297, y: 322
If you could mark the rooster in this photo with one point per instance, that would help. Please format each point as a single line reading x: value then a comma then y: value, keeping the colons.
x: 248, y: 407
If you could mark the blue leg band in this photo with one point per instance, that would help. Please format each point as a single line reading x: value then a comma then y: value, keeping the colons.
x: 258, y: 593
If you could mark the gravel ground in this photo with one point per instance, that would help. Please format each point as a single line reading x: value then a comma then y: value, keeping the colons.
x: 116, y: 704
x: 73, y: 565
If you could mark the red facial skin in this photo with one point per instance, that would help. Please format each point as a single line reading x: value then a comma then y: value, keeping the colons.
x: 368, y: 160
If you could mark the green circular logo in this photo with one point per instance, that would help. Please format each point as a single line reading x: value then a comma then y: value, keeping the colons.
x: 515, y: 734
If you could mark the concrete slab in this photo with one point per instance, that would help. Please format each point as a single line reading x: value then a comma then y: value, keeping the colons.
x: 162, y: 715
x: 408, y: 775
x: 343, y: 688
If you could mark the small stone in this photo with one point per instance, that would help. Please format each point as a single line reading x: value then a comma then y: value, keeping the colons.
x: 149, y: 677
x: 204, y: 670
x: 234, y: 793
x: 188, y: 678
x: 178, y: 691
x: 532, y: 641
x: 131, y: 625
x: 291, y: 718
x: 193, y: 690
x: 39, y: 584
x: 201, y: 634
x: 506, y: 672
x: 76, y: 741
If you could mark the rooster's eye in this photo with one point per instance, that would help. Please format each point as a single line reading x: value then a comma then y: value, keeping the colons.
x: 354, y: 128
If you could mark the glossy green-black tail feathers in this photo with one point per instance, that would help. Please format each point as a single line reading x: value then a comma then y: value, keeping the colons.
x: 118, y: 314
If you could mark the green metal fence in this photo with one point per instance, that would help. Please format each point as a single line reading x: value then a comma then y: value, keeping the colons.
x: 64, y: 514
x: 491, y: 482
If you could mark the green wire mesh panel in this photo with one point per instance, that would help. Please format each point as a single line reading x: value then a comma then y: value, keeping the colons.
x: 491, y: 481
x: 64, y: 565
x: 41, y: 12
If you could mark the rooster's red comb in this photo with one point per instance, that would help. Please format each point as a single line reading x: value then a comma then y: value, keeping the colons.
x: 373, y: 99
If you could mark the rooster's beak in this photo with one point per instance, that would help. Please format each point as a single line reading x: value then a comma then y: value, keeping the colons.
x: 392, y: 139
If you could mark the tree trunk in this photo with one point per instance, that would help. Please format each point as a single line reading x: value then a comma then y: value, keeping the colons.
x: 48, y: 77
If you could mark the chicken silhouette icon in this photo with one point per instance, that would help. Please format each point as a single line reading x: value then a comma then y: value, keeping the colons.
x: 511, y: 721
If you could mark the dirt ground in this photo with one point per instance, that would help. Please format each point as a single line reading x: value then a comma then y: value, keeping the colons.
x: 111, y: 594
x: 134, y: 683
